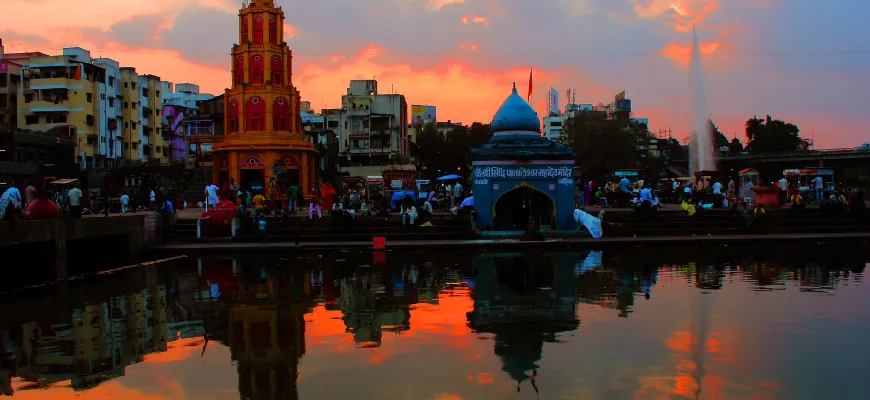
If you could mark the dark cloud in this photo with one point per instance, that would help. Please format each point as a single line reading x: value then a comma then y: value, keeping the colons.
x: 203, y: 36
x: 12, y: 40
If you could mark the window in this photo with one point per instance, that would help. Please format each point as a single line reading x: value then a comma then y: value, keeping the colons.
x: 126, y: 145
x: 126, y: 105
x: 89, y: 97
x: 145, y: 92
x: 135, y: 146
x: 125, y: 84
x: 31, y: 119
x: 126, y: 125
x: 134, y: 85
x: 157, y: 93
x: 4, y: 102
x: 281, y: 123
x: 90, y: 140
x: 102, y: 139
x: 3, y: 80
x: 255, y: 124
x: 111, y: 101
x: 28, y: 97
x: 134, y: 125
x: 234, y: 125
x: 89, y: 119
x: 111, y: 81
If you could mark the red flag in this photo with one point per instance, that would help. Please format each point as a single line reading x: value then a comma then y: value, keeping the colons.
x: 529, y: 97
x: 78, y: 74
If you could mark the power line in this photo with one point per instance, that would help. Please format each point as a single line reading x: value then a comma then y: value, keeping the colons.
x: 477, y: 53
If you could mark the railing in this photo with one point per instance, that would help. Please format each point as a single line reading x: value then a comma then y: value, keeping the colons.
x: 821, y: 152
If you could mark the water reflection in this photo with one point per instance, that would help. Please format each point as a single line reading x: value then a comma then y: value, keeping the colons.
x: 467, y: 326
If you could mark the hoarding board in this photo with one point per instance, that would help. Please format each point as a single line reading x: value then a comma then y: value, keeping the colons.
x: 421, y: 115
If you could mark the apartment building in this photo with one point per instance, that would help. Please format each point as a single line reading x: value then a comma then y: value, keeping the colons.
x: 132, y: 149
x: 150, y: 129
x: 374, y: 130
x: 10, y: 78
x: 64, y: 94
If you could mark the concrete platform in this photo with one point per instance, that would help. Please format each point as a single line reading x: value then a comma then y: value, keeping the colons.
x: 498, y: 244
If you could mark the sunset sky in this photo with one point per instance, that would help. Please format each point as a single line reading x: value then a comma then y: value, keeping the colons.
x: 798, y: 60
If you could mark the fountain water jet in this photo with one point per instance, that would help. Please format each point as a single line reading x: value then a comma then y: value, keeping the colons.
x: 701, y: 139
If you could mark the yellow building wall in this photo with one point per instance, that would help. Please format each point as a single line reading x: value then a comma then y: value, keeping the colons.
x: 130, y: 114
x: 158, y: 144
x: 80, y: 108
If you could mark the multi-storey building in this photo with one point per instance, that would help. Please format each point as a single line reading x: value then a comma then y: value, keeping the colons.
x: 132, y: 147
x: 10, y: 77
x: 151, y: 128
x: 111, y: 134
x: 374, y: 132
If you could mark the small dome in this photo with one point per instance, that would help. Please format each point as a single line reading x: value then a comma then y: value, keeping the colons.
x: 515, y: 114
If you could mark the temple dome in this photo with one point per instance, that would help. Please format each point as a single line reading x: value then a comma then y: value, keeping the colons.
x: 515, y: 114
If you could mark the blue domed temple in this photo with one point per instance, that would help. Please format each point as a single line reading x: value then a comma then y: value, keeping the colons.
x: 520, y: 174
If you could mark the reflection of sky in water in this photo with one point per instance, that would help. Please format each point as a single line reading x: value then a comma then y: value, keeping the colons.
x: 455, y: 326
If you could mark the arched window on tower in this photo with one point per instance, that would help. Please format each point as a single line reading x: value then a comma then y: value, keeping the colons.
x: 281, y: 114
x: 233, y: 115
x: 244, y: 29
x: 239, y: 75
x: 258, y: 30
x: 255, y: 111
x: 273, y: 30
x: 257, y: 69
x: 277, y: 67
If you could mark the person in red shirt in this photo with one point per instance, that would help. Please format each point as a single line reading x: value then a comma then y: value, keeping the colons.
x: 42, y: 208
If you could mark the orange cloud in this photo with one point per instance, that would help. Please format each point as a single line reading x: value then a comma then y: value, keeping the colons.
x: 475, y: 19
x: 682, y: 54
x: 684, y: 13
x: 461, y: 92
x: 437, y: 4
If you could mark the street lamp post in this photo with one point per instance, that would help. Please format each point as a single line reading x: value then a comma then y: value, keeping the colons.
x: 813, y: 138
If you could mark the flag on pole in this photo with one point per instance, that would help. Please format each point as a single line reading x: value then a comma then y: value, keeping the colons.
x: 78, y: 74
x: 529, y: 97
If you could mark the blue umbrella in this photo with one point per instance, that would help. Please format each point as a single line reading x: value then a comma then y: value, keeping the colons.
x: 449, y: 177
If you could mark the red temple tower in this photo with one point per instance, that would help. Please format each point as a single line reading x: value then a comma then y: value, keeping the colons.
x: 262, y: 121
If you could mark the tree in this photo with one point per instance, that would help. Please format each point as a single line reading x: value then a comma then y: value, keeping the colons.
x: 770, y: 135
x: 719, y: 140
x: 448, y: 152
x: 602, y: 145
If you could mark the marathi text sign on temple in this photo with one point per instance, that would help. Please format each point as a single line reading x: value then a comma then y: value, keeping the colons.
x: 505, y: 173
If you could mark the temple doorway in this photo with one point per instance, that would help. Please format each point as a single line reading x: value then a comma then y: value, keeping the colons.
x: 513, y: 209
x: 253, y: 180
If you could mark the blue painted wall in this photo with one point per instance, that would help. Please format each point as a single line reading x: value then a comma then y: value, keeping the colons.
x: 554, y: 180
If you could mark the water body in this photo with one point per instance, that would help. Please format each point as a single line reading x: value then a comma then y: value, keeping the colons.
x: 701, y: 140
x: 709, y: 323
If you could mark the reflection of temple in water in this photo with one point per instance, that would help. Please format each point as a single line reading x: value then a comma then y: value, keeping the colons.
x: 373, y: 304
x: 524, y: 300
x: 267, y: 330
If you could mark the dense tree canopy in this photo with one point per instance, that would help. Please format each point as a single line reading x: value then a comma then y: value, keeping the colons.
x: 603, y: 146
x: 448, y: 152
x: 772, y: 135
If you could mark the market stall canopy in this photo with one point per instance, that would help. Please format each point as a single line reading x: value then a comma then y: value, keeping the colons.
x: 451, y: 177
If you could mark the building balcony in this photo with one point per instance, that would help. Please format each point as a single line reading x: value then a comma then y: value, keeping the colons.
x: 358, y: 112
x: 41, y: 106
x: 53, y: 83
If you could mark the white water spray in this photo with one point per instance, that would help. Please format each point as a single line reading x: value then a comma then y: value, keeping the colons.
x: 701, y: 139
